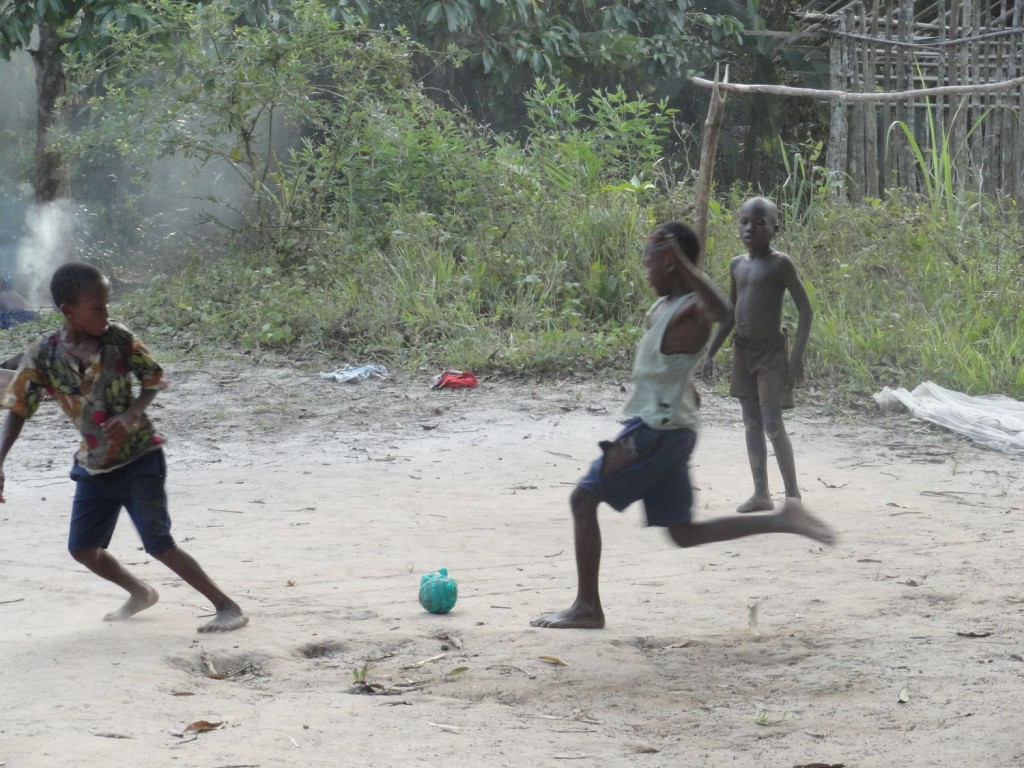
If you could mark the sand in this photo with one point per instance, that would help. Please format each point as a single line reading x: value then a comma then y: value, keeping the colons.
x: 319, y: 505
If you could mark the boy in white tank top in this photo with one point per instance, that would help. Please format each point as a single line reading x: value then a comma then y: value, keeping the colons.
x: 648, y: 460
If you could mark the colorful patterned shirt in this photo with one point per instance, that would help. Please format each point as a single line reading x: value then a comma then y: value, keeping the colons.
x: 90, y: 392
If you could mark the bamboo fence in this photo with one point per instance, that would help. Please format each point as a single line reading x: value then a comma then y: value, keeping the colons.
x: 960, y: 64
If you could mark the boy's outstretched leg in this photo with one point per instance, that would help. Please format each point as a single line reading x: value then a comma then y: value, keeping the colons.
x: 757, y: 453
x: 586, y: 611
x: 140, y: 595
x: 791, y: 517
x: 229, y: 615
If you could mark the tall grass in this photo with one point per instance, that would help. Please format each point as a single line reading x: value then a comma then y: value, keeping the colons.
x: 902, y: 297
x: 937, y: 161
x: 899, y: 296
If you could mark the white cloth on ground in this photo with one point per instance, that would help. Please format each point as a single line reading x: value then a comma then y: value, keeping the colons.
x: 994, y: 421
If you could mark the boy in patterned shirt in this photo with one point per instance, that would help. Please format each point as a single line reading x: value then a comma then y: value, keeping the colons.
x: 87, y: 366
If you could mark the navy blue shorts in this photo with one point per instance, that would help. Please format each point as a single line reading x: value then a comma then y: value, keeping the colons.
x: 138, y: 487
x: 657, y: 474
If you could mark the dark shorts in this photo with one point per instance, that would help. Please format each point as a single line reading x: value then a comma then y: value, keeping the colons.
x: 760, y: 370
x: 138, y: 487
x: 653, y: 467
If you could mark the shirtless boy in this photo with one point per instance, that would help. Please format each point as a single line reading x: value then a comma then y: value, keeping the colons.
x: 648, y: 460
x: 763, y: 375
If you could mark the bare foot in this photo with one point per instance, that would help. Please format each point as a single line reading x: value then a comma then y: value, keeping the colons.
x: 227, y: 619
x: 573, y: 617
x: 145, y: 598
x: 756, y: 504
x: 795, y: 518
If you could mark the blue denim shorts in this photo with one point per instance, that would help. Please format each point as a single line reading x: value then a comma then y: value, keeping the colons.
x: 660, y: 477
x: 138, y: 487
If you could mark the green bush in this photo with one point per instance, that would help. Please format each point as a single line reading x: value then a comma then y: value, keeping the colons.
x: 393, y: 230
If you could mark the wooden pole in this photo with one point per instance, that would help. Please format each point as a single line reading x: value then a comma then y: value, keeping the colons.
x: 709, y: 145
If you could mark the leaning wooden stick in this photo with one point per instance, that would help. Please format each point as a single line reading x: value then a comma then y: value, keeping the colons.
x: 709, y: 145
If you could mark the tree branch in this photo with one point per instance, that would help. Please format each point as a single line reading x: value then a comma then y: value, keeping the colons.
x: 845, y: 96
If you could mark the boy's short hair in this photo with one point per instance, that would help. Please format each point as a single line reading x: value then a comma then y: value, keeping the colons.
x: 763, y: 204
x: 687, y: 239
x: 73, y: 279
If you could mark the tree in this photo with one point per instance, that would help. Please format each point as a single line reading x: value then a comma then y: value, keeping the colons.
x: 61, y: 28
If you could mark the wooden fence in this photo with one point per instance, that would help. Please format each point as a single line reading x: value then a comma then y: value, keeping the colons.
x: 965, y: 48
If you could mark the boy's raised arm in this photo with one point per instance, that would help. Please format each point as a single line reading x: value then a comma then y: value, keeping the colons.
x: 716, y: 305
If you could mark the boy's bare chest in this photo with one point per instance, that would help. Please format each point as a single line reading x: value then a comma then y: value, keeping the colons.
x: 756, y: 281
x: 764, y: 271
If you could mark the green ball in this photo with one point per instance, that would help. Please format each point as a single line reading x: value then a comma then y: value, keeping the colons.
x: 438, y: 592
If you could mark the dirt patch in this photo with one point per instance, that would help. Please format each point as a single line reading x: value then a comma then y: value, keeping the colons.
x: 319, y: 506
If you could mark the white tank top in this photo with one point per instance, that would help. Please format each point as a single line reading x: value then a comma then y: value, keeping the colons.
x: 662, y: 395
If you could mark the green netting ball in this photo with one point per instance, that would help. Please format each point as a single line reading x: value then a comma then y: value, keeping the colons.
x: 438, y: 592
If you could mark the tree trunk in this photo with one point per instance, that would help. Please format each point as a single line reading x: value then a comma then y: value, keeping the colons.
x: 52, y: 179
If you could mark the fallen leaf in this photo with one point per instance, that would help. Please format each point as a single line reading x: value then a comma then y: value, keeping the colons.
x: 446, y: 728
x: 291, y: 582
x: 680, y: 644
x: 764, y: 718
x: 904, y: 696
x: 457, y: 671
x: 201, y: 726
x: 553, y: 660
x: 974, y: 634
x: 645, y: 749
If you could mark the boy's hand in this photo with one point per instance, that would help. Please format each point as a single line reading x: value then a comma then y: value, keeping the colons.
x: 117, y: 428
x: 796, y: 371
x: 707, y: 370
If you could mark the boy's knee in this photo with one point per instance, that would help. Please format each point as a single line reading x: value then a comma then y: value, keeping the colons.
x: 161, y: 552
x: 85, y: 556
x: 775, y: 429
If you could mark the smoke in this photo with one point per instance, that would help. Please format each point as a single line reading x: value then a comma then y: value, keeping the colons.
x: 133, y: 217
x: 44, y: 247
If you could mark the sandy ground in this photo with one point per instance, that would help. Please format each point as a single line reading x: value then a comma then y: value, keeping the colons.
x: 319, y: 506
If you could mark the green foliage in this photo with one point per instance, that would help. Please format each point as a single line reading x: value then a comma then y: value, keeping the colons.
x: 389, y: 229
x: 616, y: 138
x: 83, y: 26
x: 939, y: 162
x: 902, y: 297
x: 807, y: 184
x: 507, y: 40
